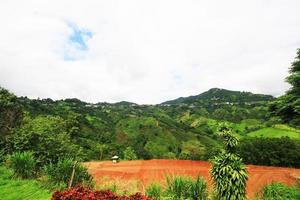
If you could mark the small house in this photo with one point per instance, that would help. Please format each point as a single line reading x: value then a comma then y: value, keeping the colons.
x: 115, y: 159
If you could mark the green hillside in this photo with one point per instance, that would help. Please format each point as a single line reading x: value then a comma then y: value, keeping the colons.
x: 54, y: 128
x: 217, y: 95
x: 275, y: 133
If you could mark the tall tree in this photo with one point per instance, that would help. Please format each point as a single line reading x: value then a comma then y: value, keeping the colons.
x: 287, y: 107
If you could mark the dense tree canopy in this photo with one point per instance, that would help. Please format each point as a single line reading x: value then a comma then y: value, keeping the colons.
x: 287, y: 107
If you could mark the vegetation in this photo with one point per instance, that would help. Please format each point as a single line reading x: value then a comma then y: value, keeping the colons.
x: 59, y: 174
x: 279, y: 191
x: 129, y: 154
x: 12, y: 188
x: 186, y: 188
x: 270, y: 151
x: 228, y: 172
x: 154, y: 191
x: 22, y: 164
x: 37, y: 134
x: 80, y: 192
x: 287, y: 107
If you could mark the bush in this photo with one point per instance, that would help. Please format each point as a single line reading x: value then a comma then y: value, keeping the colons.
x: 154, y: 191
x: 22, y: 164
x: 129, y: 154
x: 59, y: 174
x: 186, y: 188
x: 279, y: 191
x: 80, y: 192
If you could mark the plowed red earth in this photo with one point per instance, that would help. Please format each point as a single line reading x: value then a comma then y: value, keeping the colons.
x: 147, y: 171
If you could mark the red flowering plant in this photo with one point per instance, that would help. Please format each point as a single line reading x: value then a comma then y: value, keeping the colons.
x: 82, y: 193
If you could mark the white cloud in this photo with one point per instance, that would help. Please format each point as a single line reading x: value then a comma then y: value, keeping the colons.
x: 146, y: 51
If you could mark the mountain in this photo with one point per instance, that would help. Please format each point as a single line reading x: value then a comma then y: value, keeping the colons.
x: 183, y: 128
x: 217, y: 95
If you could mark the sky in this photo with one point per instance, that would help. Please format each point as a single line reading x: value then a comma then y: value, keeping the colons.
x: 146, y: 51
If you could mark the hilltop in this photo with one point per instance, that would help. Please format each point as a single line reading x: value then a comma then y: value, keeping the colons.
x: 217, y: 95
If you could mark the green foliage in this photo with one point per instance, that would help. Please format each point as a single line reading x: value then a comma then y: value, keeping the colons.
x: 22, y: 164
x: 228, y: 171
x: 192, y: 150
x: 186, y: 188
x: 46, y: 136
x: 10, y: 113
x: 279, y: 191
x: 229, y: 175
x: 230, y: 141
x: 59, y: 174
x: 287, y: 107
x: 154, y: 191
x: 17, y: 189
x: 275, y: 132
x: 129, y: 154
x: 270, y: 151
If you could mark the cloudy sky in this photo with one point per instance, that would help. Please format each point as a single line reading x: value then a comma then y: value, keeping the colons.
x: 146, y: 51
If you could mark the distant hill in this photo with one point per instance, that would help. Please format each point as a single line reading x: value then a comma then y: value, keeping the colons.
x: 217, y: 95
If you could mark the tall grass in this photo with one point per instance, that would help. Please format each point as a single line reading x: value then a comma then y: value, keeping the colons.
x: 154, y: 191
x: 59, y: 174
x: 22, y: 164
x: 18, y: 189
x: 186, y: 188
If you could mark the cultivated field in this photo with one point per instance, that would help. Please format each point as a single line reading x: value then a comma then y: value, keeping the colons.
x: 143, y: 173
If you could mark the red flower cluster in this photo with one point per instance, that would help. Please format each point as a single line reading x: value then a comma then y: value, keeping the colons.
x: 81, y: 193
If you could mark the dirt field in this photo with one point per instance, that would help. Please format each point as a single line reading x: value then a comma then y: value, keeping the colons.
x: 149, y: 171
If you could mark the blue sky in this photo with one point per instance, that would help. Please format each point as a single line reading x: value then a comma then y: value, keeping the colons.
x: 77, y: 40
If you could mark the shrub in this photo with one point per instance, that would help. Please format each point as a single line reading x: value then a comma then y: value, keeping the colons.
x: 60, y: 173
x: 154, y: 191
x: 129, y: 154
x: 22, y: 164
x: 228, y: 172
x: 80, y: 192
x: 279, y: 191
x: 186, y: 188
x: 229, y: 175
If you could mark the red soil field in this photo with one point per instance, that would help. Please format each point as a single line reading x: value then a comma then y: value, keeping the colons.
x: 147, y: 171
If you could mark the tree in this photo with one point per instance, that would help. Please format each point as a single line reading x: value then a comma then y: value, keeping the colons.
x: 11, y: 114
x: 46, y: 136
x: 192, y: 150
x: 287, y: 107
x: 228, y: 172
x: 129, y: 154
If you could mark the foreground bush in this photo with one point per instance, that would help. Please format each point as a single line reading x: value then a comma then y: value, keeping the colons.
x: 186, y: 188
x: 22, y: 164
x: 154, y: 191
x: 59, y: 174
x: 81, y: 193
x: 279, y: 191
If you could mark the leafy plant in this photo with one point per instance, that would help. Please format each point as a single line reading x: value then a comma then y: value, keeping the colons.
x: 154, y: 191
x: 61, y: 172
x: 279, y: 191
x: 186, y: 188
x: 22, y: 164
x: 228, y: 172
x: 80, y: 192
x: 129, y: 154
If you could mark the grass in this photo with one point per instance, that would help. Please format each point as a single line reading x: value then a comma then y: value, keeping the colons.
x: 275, y: 132
x: 17, y: 189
